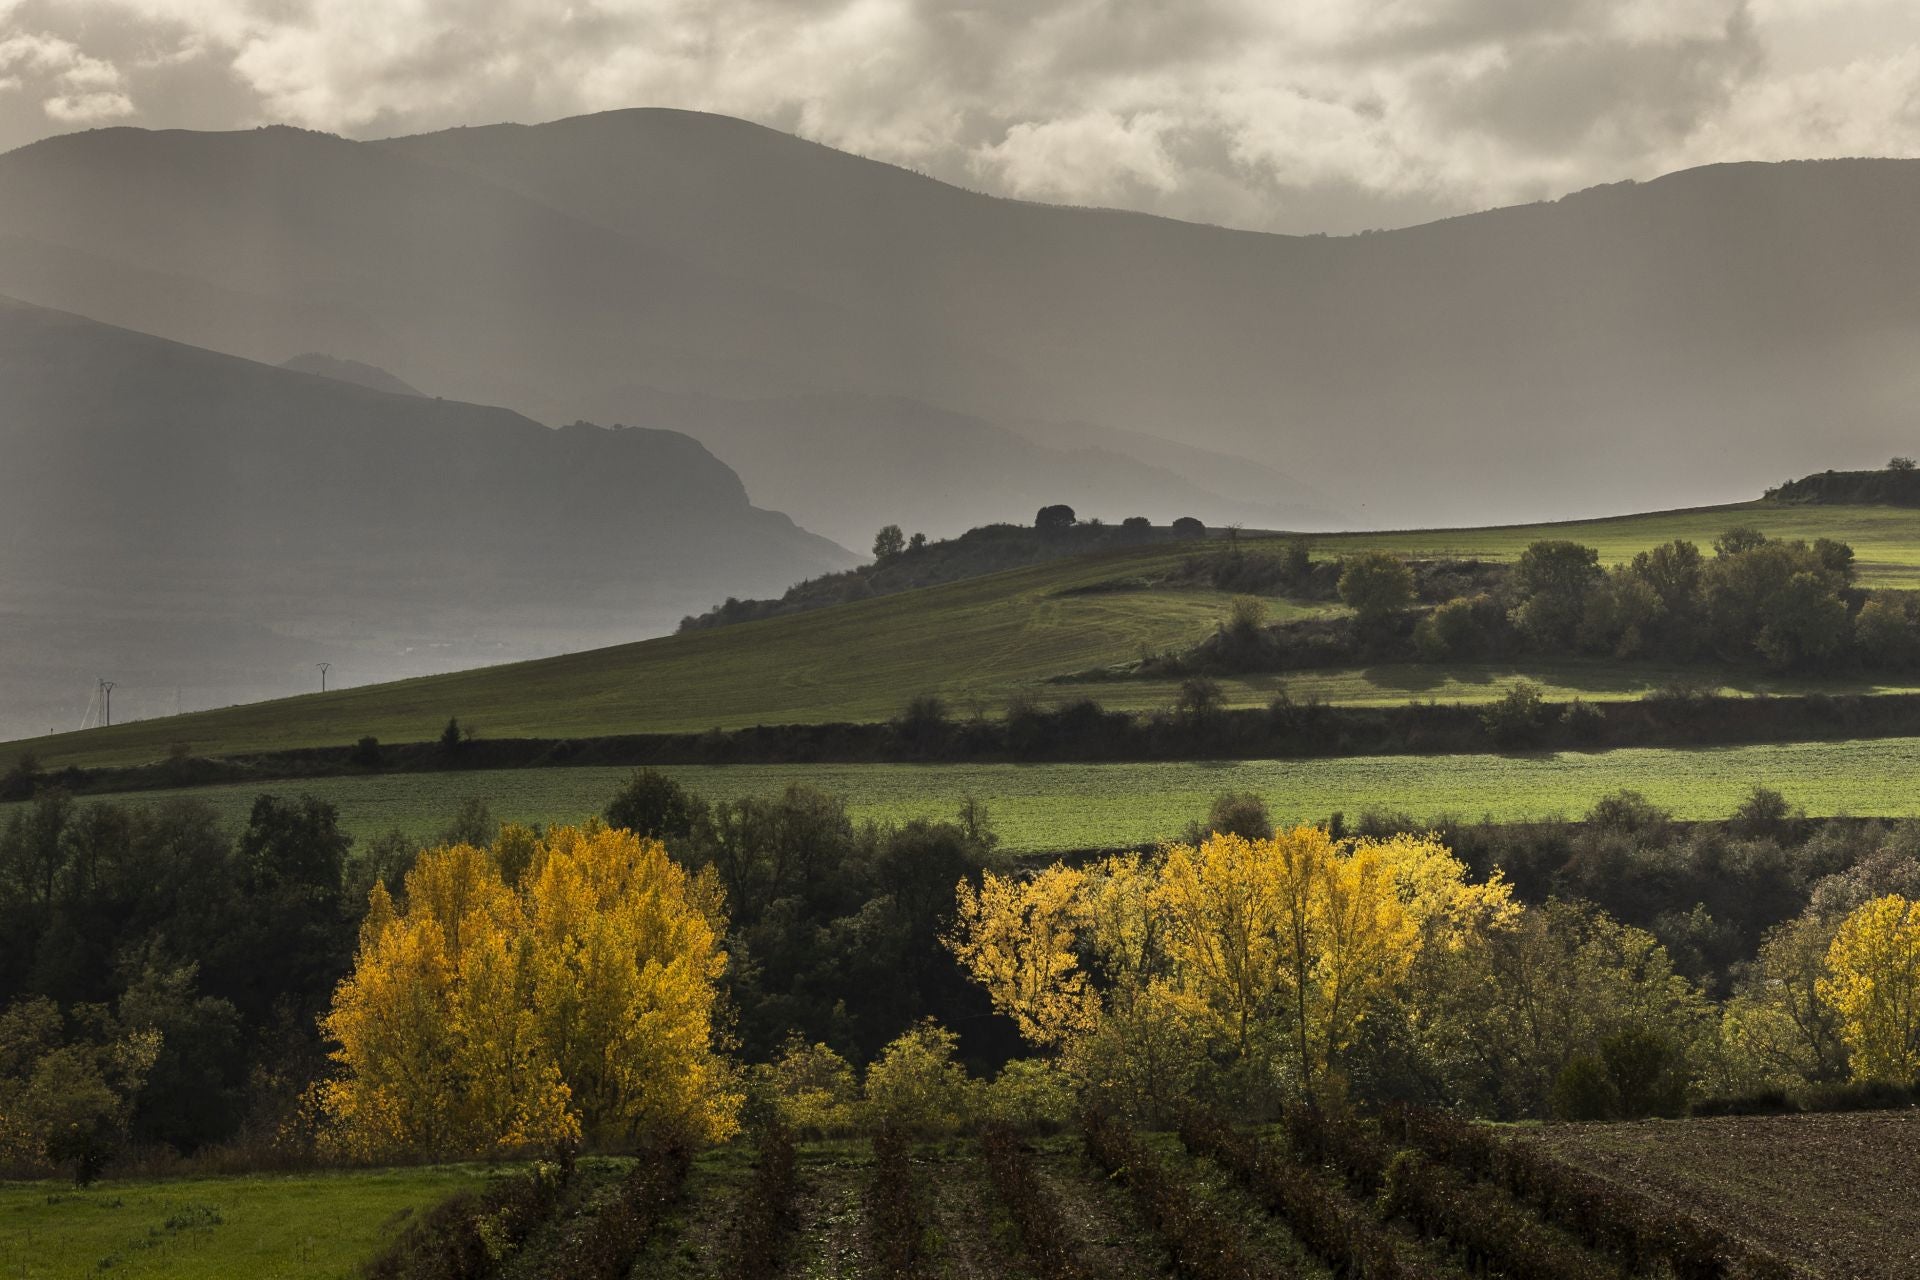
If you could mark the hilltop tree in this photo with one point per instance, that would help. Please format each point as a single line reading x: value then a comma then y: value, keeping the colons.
x: 1189, y: 527
x: 889, y: 542
x: 1054, y: 519
x: 1900, y: 464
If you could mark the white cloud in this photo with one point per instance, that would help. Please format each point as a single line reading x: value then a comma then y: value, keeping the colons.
x: 1291, y: 114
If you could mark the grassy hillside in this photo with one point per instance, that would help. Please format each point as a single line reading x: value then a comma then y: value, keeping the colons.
x: 1043, y: 808
x: 973, y: 642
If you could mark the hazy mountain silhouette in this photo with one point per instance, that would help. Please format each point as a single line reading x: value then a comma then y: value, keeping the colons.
x: 180, y: 513
x: 357, y: 372
x: 1631, y: 346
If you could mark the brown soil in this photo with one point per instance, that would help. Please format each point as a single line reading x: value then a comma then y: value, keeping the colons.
x: 1834, y: 1194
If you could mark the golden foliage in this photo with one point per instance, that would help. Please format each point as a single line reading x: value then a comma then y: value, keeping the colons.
x: 1256, y: 947
x: 1873, y: 985
x: 576, y: 1003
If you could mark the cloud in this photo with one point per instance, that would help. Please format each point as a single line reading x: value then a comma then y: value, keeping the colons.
x: 70, y: 86
x: 1280, y: 114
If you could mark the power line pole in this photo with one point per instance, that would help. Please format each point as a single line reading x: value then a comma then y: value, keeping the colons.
x: 106, y: 702
x: 323, y: 674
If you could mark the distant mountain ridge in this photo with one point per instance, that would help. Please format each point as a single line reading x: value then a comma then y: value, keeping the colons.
x: 1637, y: 346
x: 291, y: 518
x: 354, y: 371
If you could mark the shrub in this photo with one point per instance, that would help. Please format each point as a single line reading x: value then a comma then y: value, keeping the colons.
x: 813, y: 1089
x: 1586, y: 723
x: 916, y: 1087
x: 1239, y: 813
x: 1030, y: 1095
x: 366, y: 753
x: 1518, y: 718
x: 1584, y: 1091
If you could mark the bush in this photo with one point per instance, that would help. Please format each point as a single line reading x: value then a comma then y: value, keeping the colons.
x: 813, y: 1089
x: 366, y: 753
x: 1584, y: 1091
x: 1030, y: 1096
x: 915, y: 1086
x: 1586, y: 723
x: 1238, y: 813
x: 1517, y: 719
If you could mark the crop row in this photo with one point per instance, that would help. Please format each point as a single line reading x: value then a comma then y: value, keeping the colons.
x: 1487, y: 1231
x: 1033, y: 1207
x: 1331, y: 1224
x: 766, y: 1214
x: 896, y: 1209
x: 468, y: 1236
x: 1206, y: 1244
x: 606, y: 1246
x: 1642, y: 1232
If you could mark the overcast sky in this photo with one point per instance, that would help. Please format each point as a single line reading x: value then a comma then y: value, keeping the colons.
x: 1293, y: 115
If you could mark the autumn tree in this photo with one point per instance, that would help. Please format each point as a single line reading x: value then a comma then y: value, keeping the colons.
x: 1873, y: 986
x: 574, y: 1004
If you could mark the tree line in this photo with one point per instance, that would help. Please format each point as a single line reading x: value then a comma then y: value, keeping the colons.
x: 281, y: 995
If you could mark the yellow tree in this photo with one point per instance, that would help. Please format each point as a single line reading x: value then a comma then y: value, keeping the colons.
x: 481, y: 1015
x: 1222, y: 906
x: 1017, y: 939
x: 1873, y: 986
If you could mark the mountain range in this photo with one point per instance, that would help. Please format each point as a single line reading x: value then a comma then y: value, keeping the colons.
x: 764, y: 324
x: 204, y: 528
x: 1627, y: 347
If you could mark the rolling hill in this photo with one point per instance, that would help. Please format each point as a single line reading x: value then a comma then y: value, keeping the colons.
x: 975, y: 642
x: 193, y: 523
x: 1629, y: 347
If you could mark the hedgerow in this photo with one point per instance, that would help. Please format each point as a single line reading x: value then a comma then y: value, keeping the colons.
x: 1642, y: 1232
x: 1205, y: 1243
x: 1332, y: 1226
x: 1032, y: 1206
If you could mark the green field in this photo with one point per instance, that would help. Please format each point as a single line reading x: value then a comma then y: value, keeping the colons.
x: 1044, y: 808
x: 260, y: 1227
x: 974, y: 642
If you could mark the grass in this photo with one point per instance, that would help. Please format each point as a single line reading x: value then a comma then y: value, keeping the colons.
x: 1046, y: 808
x: 974, y: 643
x: 266, y: 1227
